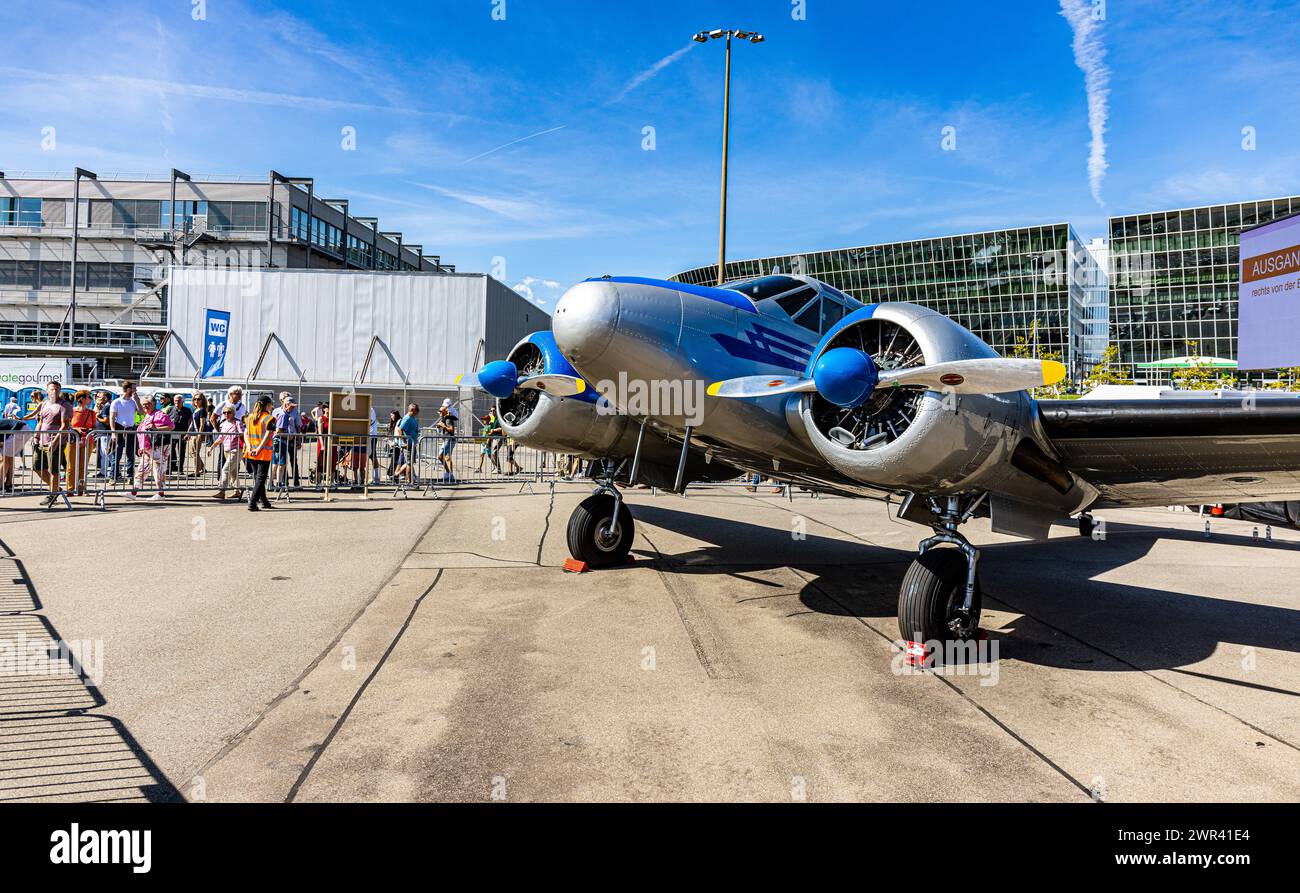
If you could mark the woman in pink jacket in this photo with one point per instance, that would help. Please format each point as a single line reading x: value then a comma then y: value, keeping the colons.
x: 152, y: 444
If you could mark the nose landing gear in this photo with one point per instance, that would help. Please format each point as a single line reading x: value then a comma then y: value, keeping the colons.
x: 940, y: 599
x: 601, y: 527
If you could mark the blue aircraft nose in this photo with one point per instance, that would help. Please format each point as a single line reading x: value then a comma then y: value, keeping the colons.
x: 845, y: 376
x: 584, y: 320
x: 499, y: 378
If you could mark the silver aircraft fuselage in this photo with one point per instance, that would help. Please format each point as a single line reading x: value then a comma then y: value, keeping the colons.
x: 658, y: 333
x: 620, y: 331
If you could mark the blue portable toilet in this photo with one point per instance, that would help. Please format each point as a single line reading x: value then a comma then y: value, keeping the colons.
x: 29, y: 399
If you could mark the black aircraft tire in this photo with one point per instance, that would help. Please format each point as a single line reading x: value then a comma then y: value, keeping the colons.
x: 933, y: 582
x: 587, y: 536
x: 1086, y: 525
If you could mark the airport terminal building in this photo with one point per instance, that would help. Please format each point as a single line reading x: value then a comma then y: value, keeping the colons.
x: 1037, y: 283
x: 130, y: 229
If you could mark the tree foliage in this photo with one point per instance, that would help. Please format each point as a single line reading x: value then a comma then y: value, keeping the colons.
x: 1107, y: 371
x: 1287, y: 380
x: 1200, y: 375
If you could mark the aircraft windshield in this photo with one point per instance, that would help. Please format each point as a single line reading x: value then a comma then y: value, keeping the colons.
x: 764, y: 286
x: 817, y: 307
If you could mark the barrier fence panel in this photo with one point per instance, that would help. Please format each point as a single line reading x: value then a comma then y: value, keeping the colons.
x: 104, y: 465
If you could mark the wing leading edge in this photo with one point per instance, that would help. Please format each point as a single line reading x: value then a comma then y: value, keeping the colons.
x: 1169, y: 452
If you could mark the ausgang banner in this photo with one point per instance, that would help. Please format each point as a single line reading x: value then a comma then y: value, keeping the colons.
x: 1268, y: 328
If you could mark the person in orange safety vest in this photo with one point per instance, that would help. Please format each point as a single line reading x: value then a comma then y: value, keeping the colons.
x: 259, y: 429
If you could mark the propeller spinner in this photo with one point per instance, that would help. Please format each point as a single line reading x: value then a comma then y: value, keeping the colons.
x: 500, y: 378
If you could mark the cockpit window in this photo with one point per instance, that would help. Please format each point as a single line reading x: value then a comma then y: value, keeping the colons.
x: 832, y: 290
x: 832, y: 312
x: 764, y: 287
x: 793, y: 302
x: 808, y: 319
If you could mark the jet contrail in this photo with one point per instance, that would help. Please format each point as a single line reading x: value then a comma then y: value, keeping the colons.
x: 512, y: 142
x: 650, y: 72
x: 1090, y: 56
x: 631, y: 85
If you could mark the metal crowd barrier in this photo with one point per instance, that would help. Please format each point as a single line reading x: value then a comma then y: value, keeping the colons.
x: 104, y: 465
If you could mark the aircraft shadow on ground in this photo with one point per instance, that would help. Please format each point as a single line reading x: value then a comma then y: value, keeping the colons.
x: 1069, y: 617
x: 51, y: 748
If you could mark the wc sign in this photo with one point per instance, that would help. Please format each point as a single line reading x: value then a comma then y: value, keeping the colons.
x: 215, y: 332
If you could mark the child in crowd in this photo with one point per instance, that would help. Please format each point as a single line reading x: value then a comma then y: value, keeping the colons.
x: 230, y: 441
x: 489, y: 433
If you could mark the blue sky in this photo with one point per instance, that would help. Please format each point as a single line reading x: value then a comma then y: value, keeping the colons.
x: 515, y: 145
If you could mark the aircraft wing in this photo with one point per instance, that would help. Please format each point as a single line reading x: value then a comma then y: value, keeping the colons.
x: 1185, y: 451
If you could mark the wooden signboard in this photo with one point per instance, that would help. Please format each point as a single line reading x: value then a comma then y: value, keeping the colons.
x: 349, y: 414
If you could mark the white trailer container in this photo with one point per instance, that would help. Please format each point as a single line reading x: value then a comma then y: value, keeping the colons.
x: 318, y: 330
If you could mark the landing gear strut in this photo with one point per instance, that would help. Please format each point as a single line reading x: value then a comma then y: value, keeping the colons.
x: 601, y: 527
x: 940, y: 599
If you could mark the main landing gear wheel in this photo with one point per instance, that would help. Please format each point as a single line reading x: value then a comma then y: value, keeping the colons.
x: 930, y: 600
x: 594, y: 538
x: 1087, y: 523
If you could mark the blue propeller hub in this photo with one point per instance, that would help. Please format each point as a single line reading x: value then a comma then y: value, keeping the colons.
x: 845, y: 376
x: 499, y: 378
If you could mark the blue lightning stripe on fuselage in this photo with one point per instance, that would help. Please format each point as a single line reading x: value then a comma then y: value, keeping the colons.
x: 766, y: 345
x: 722, y: 295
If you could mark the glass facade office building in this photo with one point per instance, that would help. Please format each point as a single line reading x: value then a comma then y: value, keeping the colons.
x: 1173, y: 283
x: 997, y: 284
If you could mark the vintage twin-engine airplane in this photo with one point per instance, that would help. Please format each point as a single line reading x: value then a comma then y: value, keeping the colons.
x: 806, y: 385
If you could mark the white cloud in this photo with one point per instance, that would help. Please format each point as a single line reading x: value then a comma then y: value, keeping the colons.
x: 527, y: 288
x: 108, y: 85
x: 511, y: 208
x: 164, y: 110
x: 1090, y: 56
x: 1218, y: 184
x: 372, y: 73
x: 813, y: 102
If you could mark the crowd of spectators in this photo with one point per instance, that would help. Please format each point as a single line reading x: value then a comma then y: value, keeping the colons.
x: 146, y: 440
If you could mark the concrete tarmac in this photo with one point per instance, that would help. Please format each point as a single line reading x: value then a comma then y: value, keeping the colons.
x: 433, y: 649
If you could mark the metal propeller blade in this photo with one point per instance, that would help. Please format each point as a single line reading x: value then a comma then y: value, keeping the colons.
x: 554, y: 384
x: 996, y: 375
x: 467, y: 380
x: 759, y: 386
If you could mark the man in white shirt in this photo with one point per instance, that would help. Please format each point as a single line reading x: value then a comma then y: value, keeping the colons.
x: 121, y: 420
x: 235, y: 398
x: 288, y: 424
x: 11, y: 409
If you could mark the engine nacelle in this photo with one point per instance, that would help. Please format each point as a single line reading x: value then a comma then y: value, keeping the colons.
x: 559, y: 424
x: 940, y: 443
x: 588, y: 425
